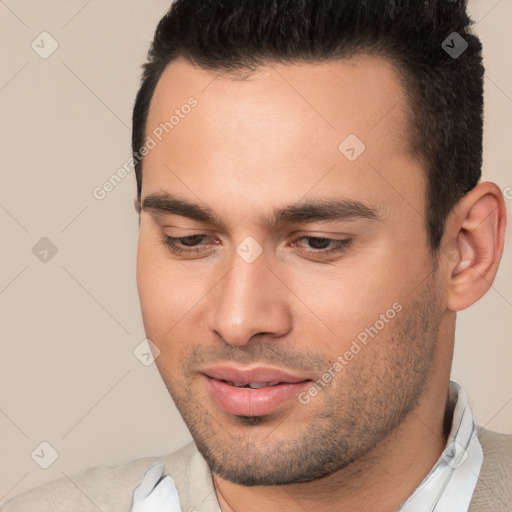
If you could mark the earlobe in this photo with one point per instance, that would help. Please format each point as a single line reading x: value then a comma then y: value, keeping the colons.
x: 479, y: 231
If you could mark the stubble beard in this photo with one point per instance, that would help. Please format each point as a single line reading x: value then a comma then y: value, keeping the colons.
x: 365, y: 402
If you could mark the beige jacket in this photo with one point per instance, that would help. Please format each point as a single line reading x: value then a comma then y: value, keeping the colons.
x: 110, y: 489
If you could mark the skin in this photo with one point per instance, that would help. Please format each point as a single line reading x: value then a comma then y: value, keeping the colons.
x: 367, y: 440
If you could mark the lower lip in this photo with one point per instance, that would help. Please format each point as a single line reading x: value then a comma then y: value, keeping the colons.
x: 252, y: 402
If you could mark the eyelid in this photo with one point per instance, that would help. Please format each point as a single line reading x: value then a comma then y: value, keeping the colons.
x: 188, y: 231
x: 339, y: 245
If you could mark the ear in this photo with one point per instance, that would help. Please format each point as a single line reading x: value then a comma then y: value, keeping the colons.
x: 476, y: 233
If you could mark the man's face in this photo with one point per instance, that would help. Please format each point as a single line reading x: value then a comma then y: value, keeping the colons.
x: 274, y: 303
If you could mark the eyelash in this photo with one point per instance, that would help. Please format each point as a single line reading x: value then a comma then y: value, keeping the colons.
x: 339, y: 245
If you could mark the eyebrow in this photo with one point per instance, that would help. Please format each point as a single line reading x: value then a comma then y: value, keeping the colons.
x: 316, y: 210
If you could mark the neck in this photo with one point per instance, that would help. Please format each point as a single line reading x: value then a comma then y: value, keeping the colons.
x: 380, y: 481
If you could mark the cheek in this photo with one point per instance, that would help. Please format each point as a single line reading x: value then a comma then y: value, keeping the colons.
x: 160, y: 311
x: 145, y: 277
x: 167, y: 292
x: 341, y: 301
x: 157, y: 291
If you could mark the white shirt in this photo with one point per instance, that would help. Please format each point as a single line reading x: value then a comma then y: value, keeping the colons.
x: 450, y: 484
x: 448, y: 487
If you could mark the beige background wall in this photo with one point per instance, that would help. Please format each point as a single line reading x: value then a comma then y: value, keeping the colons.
x: 68, y: 375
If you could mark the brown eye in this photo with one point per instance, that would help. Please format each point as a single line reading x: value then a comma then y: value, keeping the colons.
x: 183, y: 244
x: 322, y: 245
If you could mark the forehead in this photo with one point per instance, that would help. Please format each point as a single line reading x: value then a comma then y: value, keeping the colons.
x: 285, y: 131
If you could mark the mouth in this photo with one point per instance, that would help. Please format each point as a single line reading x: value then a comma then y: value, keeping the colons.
x: 252, y: 391
x: 252, y: 385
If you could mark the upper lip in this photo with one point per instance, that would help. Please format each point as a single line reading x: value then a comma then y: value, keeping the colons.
x: 252, y: 374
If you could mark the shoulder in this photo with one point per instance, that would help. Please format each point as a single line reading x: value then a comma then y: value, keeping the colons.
x: 493, y: 490
x: 496, y: 442
x: 108, y: 489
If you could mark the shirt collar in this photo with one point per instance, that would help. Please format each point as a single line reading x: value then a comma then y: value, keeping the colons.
x: 448, y: 486
x: 451, y: 482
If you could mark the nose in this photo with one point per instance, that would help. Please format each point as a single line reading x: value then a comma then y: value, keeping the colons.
x: 250, y: 300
